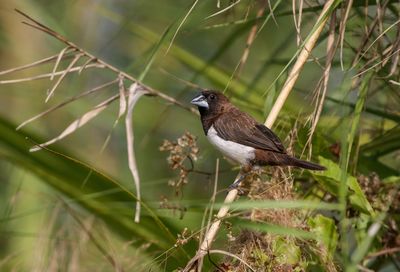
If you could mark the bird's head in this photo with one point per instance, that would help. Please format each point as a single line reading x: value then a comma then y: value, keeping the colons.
x: 210, y: 102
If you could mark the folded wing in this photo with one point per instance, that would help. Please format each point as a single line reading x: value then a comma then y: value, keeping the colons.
x: 239, y: 127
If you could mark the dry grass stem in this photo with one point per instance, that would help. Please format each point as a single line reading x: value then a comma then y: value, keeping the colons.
x: 58, y: 60
x: 72, y: 99
x: 297, y: 20
x: 250, y: 39
x: 377, y: 64
x: 223, y: 10
x: 66, y: 71
x: 377, y: 39
x: 342, y: 30
x: 212, y: 201
x: 122, y: 98
x: 34, y: 64
x: 83, y: 67
x: 98, y: 62
x: 134, y: 93
x: 330, y: 53
x: 368, y: 34
x: 78, y: 123
x: 75, y: 69
x: 301, y: 60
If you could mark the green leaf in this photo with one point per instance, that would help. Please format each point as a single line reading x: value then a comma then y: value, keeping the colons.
x: 326, y: 233
x: 330, y: 181
x: 286, y: 251
x: 391, y: 180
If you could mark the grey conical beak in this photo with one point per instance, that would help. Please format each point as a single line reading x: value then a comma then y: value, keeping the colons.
x: 200, y: 101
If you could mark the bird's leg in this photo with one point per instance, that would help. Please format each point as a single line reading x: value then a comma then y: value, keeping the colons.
x: 237, y: 181
x: 244, y: 172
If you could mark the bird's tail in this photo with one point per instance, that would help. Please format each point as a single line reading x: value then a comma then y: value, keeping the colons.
x: 305, y: 164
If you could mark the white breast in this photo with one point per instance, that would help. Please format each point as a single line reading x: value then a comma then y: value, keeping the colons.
x: 237, y: 152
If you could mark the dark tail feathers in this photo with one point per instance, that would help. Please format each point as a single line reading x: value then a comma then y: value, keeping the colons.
x: 305, y: 164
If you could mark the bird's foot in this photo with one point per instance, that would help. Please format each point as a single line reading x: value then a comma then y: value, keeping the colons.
x: 240, y: 190
x: 235, y: 185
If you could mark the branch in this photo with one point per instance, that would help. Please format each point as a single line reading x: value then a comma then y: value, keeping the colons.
x: 293, y: 75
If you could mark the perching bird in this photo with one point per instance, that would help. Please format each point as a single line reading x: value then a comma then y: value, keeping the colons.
x: 240, y: 137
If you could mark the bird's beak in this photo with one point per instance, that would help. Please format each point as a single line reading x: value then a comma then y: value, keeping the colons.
x: 200, y: 101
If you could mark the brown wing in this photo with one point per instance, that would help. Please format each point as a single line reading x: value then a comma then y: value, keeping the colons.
x: 239, y: 127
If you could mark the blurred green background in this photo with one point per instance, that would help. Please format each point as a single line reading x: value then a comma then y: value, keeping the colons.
x: 49, y: 203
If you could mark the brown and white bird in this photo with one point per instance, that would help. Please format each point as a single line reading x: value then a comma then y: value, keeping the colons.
x: 240, y: 137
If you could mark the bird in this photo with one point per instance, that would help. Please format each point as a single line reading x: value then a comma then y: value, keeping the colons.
x: 241, y: 138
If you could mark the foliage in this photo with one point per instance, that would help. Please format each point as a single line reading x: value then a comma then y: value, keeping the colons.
x: 62, y: 212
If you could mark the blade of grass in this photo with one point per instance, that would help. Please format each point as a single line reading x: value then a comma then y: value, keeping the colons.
x: 283, y: 204
x: 181, y: 24
x: 347, y: 144
x: 275, y: 229
x: 66, y: 174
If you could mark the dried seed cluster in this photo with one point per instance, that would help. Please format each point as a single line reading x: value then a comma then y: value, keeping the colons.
x: 182, y: 152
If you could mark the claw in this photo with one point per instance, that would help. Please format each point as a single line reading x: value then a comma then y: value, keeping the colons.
x: 240, y: 190
x: 236, y: 183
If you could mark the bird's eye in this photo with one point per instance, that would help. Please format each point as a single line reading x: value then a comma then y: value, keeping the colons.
x: 212, y: 96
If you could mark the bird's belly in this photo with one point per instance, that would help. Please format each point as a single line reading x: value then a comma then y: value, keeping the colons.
x: 234, y: 151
